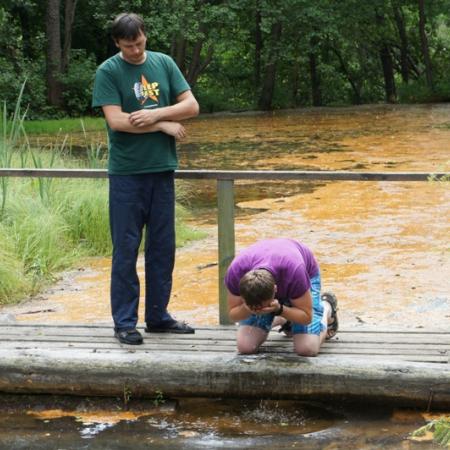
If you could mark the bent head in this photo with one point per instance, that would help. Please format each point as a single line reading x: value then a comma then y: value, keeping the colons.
x: 257, y: 288
x: 128, y: 32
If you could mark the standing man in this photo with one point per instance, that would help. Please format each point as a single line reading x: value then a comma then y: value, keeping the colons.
x: 144, y: 97
x: 279, y: 278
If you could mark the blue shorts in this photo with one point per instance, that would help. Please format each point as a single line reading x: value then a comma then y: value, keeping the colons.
x: 316, y: 326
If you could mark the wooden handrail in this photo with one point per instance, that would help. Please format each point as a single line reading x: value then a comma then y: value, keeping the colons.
x: 225, y: 196
x: 238, y: 174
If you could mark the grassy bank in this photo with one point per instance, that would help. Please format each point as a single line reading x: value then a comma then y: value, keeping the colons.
x: 45, y: 234
x: 64, y: 126
x: 47, y: 225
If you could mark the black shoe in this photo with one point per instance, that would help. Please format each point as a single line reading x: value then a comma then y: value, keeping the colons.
x: 171, y: 327
x: 130, y: 337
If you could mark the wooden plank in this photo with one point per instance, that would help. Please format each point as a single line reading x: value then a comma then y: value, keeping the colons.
x: 422, y: 340
x: 226, y: 241
x: 174, y: 340
x: 217, y: 329
x: 42, y: 341
x: 166, y: 348
x: 432, y: 359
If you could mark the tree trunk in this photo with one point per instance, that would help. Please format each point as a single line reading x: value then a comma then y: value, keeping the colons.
x: 53, y: 53
x: 197, y: 66
x: 388, y: 73
x: 295, y: 87
x: 258, y: 45
x: 69, y: 16
x: 25, y: 25
x: 268, y: 86
x: 400, y: 22
x: 424, y: 45
x: 386, y: 62
x: 315, y: 80
x: 180, y: 52
x: 346, y: 72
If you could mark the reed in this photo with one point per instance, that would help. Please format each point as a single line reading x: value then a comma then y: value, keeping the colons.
x: 13, y: 281
x: 10, y: 134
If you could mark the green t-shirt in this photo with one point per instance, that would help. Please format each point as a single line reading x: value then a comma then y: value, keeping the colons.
x: 153, y: 84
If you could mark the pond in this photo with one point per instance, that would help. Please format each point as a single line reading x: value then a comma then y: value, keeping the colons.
x: 378, y: 243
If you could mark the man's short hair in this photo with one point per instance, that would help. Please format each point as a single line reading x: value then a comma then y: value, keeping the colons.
x: 127, y: 26
x: 257, y: 286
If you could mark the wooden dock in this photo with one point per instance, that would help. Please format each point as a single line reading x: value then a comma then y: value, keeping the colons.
x: 408, y: 368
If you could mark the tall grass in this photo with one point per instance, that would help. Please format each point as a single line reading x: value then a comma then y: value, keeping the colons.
x: 10, y: 133
x: 13, y: 283
x: 46, y: 225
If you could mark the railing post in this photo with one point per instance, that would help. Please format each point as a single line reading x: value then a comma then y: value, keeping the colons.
x: 225, y: 219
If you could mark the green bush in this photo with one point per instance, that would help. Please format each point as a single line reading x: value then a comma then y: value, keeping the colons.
x: 78, y: 83
x: 419, y: 92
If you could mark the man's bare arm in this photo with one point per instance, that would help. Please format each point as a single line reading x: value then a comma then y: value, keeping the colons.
x: 301, y: 309
x: 237, y: 309
x: 186, y: 106
x: 120, y: 121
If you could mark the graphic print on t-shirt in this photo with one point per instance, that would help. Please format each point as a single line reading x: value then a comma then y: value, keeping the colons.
x: 145, y: 91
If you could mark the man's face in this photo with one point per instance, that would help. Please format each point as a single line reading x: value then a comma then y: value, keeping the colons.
x: 133, y: 51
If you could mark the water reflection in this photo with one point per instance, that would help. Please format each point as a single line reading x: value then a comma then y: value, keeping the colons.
x: 201, y: 423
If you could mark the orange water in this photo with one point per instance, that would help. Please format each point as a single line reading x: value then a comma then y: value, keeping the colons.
x: 383, y: 247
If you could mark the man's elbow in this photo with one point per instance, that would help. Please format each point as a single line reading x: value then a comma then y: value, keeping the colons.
x: 194, y: 109
x: 309, y: 317
x: 113, y: 124
x: 117, y: 125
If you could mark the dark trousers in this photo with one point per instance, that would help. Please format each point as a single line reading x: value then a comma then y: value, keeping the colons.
x: 135, y: 202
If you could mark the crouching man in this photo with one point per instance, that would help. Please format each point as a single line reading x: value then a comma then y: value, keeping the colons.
x: 279, y: 279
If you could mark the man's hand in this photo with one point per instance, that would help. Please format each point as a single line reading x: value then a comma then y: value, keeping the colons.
x: 144, y: 117
x: 271, y: 307
x: 174, y: 129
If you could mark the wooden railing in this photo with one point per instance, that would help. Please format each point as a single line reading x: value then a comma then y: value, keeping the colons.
x: 225, y: 197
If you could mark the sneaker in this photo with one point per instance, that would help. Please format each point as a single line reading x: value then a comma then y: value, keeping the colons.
x: 130, y: 337
x: 172, y: 327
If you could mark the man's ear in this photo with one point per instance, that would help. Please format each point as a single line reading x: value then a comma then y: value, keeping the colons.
x: 117, y: 43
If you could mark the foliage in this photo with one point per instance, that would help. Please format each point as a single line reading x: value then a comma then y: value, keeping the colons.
x: 159, y: 398
x: 78, y: 83
x: 440, y: 429
x: 327, y: 53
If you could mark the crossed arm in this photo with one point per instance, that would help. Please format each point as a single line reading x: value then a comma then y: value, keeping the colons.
x: 151, y: 120
x: 300, y: 310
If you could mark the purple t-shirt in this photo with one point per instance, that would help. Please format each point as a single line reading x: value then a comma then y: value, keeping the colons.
x: 291, y: 263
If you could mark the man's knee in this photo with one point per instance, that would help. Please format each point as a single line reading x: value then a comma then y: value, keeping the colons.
x: 247, y: 348
x: 306, y: 349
